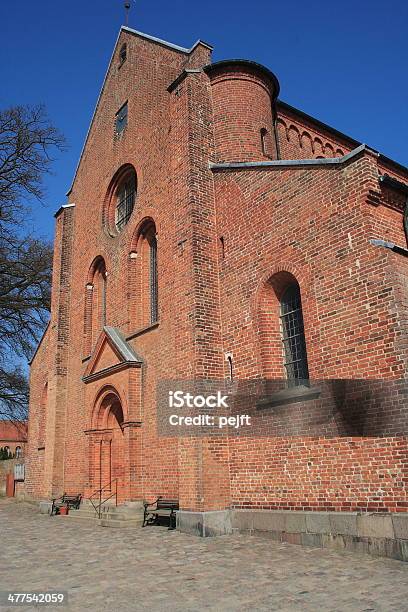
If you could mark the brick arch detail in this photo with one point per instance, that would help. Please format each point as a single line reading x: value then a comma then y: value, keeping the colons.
x: 99, y: 411
x: 300, y: 272
x: 145, y: 224
x: 308, y: 140
x: 108, y: 445
x: 95, y: 265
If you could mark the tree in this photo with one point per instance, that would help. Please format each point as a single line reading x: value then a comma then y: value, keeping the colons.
x: 27, y: 139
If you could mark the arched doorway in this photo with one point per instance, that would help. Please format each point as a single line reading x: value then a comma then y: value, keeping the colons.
x: 107, y: 445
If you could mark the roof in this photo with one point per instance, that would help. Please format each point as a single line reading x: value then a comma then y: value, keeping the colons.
x: 294, y: 163
x: 124, y: 349
x: 61, y: 208
x: 243, y: 63
x: 153, y: 39
x: 164, y: 43
x: 209, y: 68
x: 126, y: 354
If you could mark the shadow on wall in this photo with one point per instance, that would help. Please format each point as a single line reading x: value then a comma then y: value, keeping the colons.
x: 322, y: 408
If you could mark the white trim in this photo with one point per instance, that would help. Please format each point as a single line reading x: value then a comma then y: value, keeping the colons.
x: 164, y: 42
x: 328, y: 161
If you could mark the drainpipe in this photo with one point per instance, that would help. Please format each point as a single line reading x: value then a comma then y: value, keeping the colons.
x: 275, y: 128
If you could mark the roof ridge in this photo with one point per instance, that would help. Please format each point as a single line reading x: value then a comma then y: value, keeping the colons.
x: 160, y: 41
x: 126, y: 350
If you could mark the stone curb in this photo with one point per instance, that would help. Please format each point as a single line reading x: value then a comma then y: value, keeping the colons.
x: 379, y: 534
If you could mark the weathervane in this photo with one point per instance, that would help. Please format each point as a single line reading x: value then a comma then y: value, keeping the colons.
x: 127, y: 7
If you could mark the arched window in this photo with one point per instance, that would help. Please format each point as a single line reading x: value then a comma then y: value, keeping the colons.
x: 95, y: 303
x: 143, y: 289
x: 293, y: 335
x: 281, y: 331
x: 125, y: 201
x: 120, y: 200
x: 154, y: 302
x: 19, y: 452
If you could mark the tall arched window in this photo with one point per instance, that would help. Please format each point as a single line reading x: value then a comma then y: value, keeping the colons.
x: 125, y: 201
x: 143, y: 289
x: 95, y: 303
x: 154, y: 302
x: 281, y: 331
x: 293, y: 335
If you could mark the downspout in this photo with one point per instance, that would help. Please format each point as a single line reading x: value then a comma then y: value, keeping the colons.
x: 275, y: 128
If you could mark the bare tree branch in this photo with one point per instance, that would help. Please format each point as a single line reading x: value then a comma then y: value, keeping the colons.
x: 27, y: 139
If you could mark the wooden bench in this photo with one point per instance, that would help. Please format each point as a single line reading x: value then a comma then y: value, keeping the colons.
x: 71, y: 501
x: 161, y: 507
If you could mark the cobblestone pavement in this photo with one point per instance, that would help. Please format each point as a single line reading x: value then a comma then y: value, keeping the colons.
x: 153, y: 569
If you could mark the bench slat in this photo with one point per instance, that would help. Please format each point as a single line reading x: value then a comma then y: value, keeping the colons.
x: 161, y: 507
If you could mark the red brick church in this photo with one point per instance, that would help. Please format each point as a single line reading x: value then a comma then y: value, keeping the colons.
x: 213, y: 231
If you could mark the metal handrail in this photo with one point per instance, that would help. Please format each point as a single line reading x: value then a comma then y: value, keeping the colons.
x: 97, y: 507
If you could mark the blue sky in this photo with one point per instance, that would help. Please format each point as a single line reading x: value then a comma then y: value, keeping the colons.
x: 344, y: 63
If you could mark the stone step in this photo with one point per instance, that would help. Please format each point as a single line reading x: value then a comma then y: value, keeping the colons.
x: 113, y: 516
x: 121, y: 523
x: 87, y: 513
x: 82, y: 514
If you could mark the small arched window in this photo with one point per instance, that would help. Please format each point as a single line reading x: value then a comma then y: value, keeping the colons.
x: 123, y: 53
x: 125, y: 201
x: 264, y: 133
x: 293, y: 336
x: 230, y: 367
x: 18, y: 452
